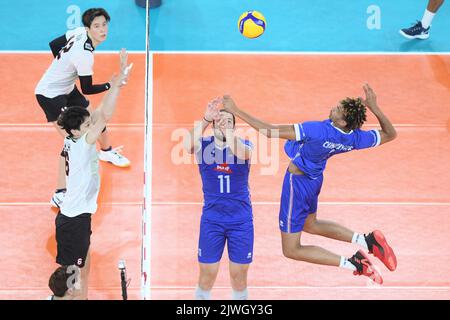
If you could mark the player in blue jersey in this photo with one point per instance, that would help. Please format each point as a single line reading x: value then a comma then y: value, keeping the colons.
x: 224, y: 164
x: 309, y: 145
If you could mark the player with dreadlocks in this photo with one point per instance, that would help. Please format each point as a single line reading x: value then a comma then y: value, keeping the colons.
x: 309, y: 145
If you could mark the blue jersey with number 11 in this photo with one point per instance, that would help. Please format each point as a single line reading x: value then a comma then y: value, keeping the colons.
x: 225, y: 182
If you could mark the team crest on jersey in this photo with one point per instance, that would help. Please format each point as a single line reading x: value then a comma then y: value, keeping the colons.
x: 88, y: 46
x: 223, y: 168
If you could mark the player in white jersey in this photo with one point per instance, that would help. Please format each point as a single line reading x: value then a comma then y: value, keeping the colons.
x: 73, y: 222
x: 74, y: 59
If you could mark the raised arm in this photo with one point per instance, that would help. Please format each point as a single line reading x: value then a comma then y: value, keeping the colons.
x: 108, y: 105
x: 191, y: 141
x: 269, y: 130
x: 387, y: 132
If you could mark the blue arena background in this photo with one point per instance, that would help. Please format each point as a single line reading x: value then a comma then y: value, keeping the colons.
x: 295, y: 25
x: 32, y: 24
x: 196, y: 25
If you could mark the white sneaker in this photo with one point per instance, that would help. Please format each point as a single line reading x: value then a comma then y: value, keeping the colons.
x: 113, y: 156
x: 57, y: 199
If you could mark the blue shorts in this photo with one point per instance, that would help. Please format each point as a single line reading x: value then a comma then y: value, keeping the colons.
x: 298, y: 199
x: 213, y: 235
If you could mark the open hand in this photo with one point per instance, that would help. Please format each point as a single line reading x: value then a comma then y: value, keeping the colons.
x: 371, y: 98
x: 212, y: 110
x: 123, y: 55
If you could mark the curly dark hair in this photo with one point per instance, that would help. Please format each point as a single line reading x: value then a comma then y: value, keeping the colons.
x: 354, y: 112
x: 72, y: 118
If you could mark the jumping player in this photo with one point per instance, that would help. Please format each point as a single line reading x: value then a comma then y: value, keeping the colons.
x: 309, y: 145
x: 74, y: 58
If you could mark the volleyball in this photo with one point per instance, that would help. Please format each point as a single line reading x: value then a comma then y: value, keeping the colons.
x: 252, y: 24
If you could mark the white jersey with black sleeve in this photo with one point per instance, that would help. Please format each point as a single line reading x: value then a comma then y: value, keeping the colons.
x: 75, y: 59
x: 82, y: 177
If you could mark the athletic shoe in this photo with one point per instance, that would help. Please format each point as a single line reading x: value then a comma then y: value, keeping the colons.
x: 364, y: 267
x: 113, y: 156
x: 416, y: 32
x: 379, y: 247
x: 57, y: 199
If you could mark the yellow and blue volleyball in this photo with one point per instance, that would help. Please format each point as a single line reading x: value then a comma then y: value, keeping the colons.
x: 252, y: 24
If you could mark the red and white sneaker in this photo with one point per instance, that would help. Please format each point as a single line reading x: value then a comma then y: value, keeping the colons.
x: 364, y: 267
x: 379, y: 247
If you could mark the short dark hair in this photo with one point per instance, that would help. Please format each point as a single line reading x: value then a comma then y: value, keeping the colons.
x: 234, y: 118
x: 58, y: 281
x: 90, y: 14
x: 354, y: 112
x: 72, y: 118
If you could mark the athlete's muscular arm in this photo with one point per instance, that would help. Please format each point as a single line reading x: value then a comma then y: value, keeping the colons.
x: 57, y: 44
x: 191, y: 141
x: 269, y: 130
x: 108, y: 105
x: 387, y: 132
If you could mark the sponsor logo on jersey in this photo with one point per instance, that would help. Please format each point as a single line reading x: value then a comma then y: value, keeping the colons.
x: 223, y: 168
x: 336, y: 146
x: 88, y: 46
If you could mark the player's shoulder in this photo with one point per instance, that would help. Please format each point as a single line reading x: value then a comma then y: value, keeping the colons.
x: 360, y: 133
x: 82, y: 41
x: 313, y: 129
x: 314, y: 124
x: 77, y: 34
x: 69, y: 140
x: 323, y: 124
x: 207, y: 139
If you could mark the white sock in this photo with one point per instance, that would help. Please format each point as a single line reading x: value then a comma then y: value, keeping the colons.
x: 359, y: 239
x: 201, y: 294
x: 346, y: 264
x: 239, y: 295
x: 427, y: 18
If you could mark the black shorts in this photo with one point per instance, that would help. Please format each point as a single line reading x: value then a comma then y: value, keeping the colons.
x: 53, y: 106
x: 73, y: 237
